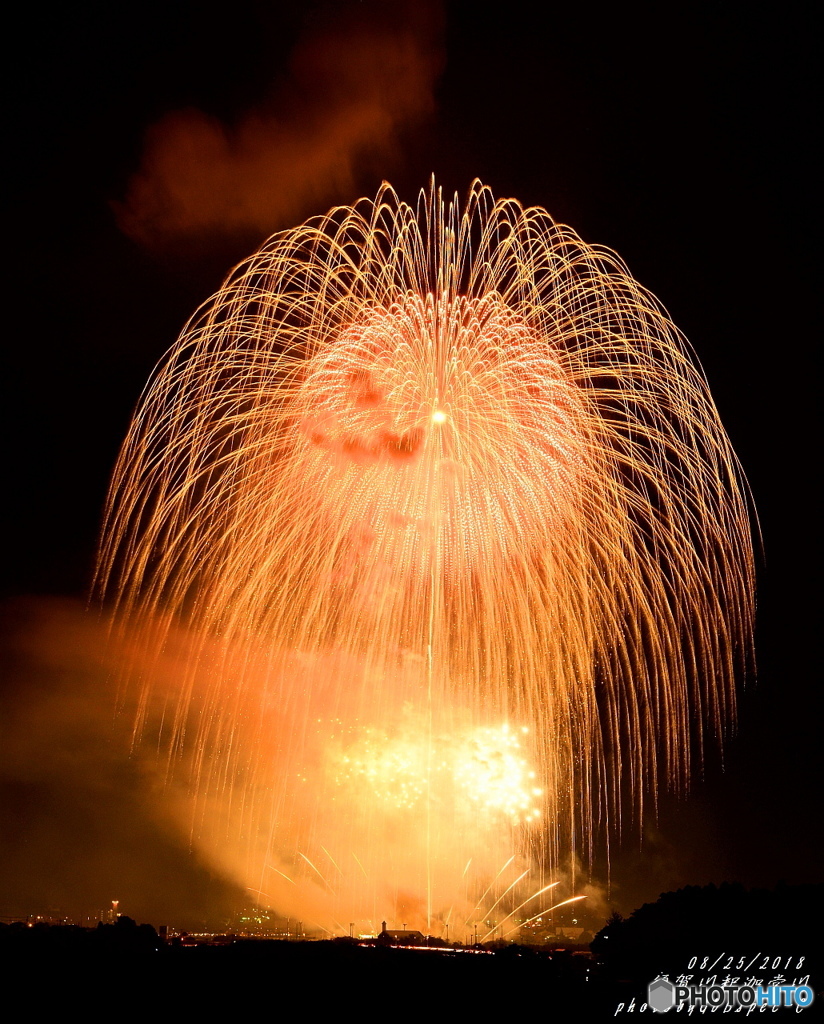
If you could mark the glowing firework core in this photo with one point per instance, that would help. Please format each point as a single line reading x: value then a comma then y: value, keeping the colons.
x: 482, y: 772
x: 410, y: 475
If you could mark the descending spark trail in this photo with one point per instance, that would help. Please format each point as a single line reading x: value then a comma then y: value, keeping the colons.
x: 429, y: 523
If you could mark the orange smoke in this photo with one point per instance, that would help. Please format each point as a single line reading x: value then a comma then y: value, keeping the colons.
x: 347, y: 93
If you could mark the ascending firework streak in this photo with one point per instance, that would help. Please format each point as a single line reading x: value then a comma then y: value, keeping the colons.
x: 450, y: 521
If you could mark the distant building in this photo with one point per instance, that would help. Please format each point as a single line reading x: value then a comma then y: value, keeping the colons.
x: 401, y: 936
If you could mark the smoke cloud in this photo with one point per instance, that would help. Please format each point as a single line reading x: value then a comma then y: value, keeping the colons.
x: 348, y: 93
x: 93, y: 811
x: 85, y: 819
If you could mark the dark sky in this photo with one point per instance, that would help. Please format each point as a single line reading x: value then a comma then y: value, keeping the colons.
x: 679, y: 135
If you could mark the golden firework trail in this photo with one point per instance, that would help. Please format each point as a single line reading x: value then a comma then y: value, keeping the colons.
x: 429, y: 522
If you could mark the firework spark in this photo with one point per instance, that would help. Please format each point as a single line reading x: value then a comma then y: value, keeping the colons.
x: 441, y: 513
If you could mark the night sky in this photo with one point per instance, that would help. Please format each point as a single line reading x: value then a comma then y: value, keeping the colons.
x: 153, y: 146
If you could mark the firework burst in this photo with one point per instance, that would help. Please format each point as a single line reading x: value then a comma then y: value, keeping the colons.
x: 413, y: 481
